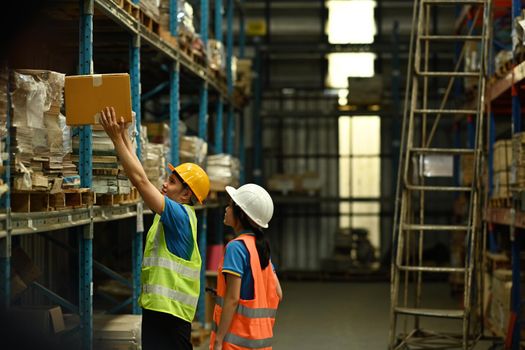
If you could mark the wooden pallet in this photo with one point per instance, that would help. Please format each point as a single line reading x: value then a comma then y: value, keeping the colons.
x: 165, y: 35
x: 38, y: 201
x: 503, y: 202
x: 148, y: 22
x: 128, y: 6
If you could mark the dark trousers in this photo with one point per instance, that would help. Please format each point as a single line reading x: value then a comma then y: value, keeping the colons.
x: 164, y: 331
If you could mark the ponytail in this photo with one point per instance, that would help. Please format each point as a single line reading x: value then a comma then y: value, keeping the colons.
x: 262, y: 245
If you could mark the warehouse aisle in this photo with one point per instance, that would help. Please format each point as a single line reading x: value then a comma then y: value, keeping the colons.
x: 339, y: 315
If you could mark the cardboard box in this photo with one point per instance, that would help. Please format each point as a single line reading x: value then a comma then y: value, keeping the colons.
x: 43, y: 320
x: 87, y: 95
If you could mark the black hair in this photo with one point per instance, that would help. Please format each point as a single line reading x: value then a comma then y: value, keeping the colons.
x: 262, y: 245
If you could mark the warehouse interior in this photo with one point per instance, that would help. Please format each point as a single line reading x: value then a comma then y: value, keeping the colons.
x: 388, y: 134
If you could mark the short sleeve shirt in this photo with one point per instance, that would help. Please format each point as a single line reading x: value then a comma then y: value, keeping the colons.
x: 177, y: 229
x: 237, y: 262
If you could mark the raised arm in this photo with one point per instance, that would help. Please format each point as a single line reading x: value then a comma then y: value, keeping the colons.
x: 132, y: 166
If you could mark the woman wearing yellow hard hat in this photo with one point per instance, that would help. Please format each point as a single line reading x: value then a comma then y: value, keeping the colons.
x: 172, y: 263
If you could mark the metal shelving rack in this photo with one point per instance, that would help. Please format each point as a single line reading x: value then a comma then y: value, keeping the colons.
x: 512, y: 217
x: 84, y: 219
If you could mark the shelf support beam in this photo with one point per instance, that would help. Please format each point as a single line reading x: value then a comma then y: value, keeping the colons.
x: 85, y: 233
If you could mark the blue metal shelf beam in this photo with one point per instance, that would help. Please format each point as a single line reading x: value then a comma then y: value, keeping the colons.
x: 203, y: 132
x: 256, y: 115
x: 136, y: 242
x: 220, y: 104
x: 230, y: 121
x: 85, y: 233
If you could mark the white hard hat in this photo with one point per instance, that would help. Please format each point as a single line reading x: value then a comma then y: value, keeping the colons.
x: 254, y: 201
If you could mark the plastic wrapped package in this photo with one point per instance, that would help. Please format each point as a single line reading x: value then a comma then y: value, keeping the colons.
x: 193, y: 149
x: 27, y: 101
x: 58, y: 134
x: 54, y: 87
x: 185, y: 17
x: 223, y: 170
x: 216, y: 56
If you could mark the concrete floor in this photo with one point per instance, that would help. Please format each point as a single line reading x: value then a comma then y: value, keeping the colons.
x: 343, y: 315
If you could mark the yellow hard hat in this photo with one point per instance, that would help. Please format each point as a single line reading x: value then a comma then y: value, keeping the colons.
x: 195, y: 177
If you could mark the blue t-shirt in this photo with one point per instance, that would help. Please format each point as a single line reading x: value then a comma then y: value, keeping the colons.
x: 177, y: 229
x: 237, y: 262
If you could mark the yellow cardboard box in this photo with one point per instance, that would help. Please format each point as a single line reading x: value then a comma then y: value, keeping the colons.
x: 87, y: 95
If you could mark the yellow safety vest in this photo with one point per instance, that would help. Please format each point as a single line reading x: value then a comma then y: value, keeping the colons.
x: 170, y: 284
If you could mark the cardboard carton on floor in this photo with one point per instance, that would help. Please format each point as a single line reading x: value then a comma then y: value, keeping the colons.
x: 87, y: 95
x: 41, y: 320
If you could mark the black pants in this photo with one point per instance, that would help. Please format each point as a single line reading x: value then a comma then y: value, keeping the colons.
x: 164, y: 331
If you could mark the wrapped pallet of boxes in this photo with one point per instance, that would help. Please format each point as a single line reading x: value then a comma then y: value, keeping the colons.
x: 41, y: 139
x: 223, y: 170
x: 111, y: 332
x: 502, y: 168
x: 193, y: 149
x: 500, y: 300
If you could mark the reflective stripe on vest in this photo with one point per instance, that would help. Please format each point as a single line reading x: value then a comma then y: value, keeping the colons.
x: 170, y: 293
x: 171, y: 265
x: 244, y: 342
x: 249, y: 312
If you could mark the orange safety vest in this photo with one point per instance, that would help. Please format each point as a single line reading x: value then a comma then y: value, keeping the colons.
x: 252, y: 323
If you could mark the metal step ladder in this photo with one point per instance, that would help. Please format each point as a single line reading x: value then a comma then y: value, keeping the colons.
x: 422, y: 142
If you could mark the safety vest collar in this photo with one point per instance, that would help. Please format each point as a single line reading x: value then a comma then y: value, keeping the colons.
x: 244, y: 342
x: 249, y: 312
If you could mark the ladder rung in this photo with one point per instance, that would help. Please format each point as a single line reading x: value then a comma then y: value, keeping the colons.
x: 430, y: 312
x: 432, y: 269
x: 449, y: 74
x: 445, y: 111
x: 451, y: 37
x: 439, y: 188
x: 429, y: 227
x: 442, y: 150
